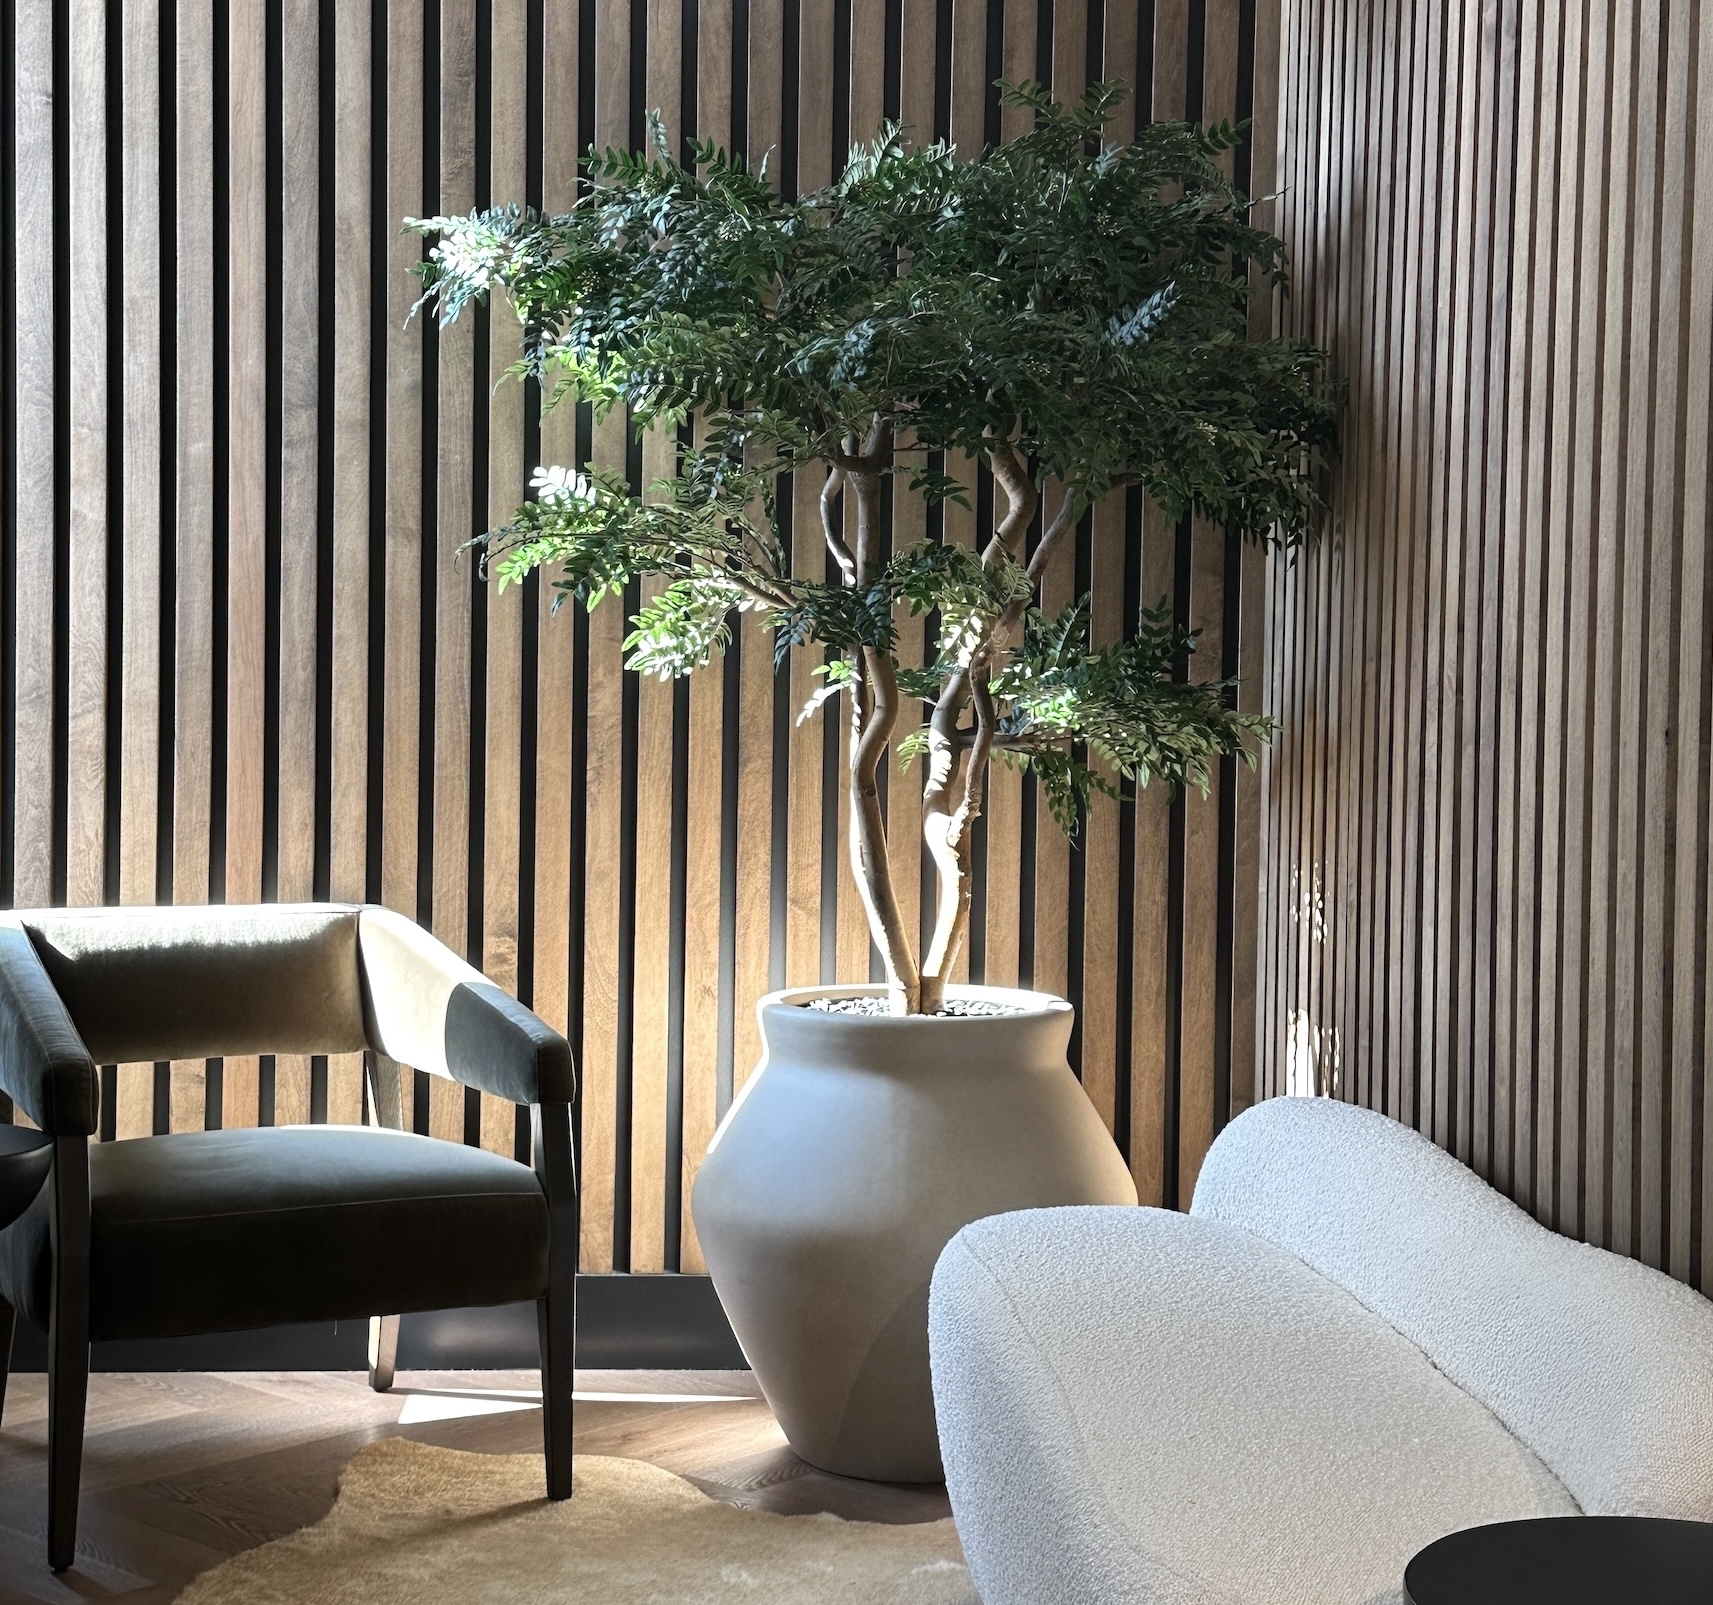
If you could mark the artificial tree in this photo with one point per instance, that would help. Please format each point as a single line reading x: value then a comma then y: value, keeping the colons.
x: 1064, y: 310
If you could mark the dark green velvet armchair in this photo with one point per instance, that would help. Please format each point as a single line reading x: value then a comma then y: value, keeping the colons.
x: 219, y: 1231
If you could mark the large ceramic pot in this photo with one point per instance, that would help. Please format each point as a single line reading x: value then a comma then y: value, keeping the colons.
x: 852, y: 1156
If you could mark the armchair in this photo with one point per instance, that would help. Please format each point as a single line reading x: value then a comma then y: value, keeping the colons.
x: 217, y: 1231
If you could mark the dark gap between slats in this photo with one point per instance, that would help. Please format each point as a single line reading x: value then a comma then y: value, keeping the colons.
x: 740, y: 77
x: 842, y: 88
x: 780, y: 838
x: 675, y: 958
x: 731, y: 711
x: 327, y: 335
x: 1094, y: 50
x: 1125, y: 1012
x: 1182, y: 565
x: 220, y: 577
x: 993, y: 69
x: 428, y: 565
x: 1231, y: 625
x: 1076, y: 918
x: 168, y: 412
x: 1194, y: 58
x: 892, y: 73
x: 943, y: 69
x: 1144, y: 80
x: 826, y: 718
x: 382, y: 228
x: 789, y: 98
x: 115, y: 463
x: 274, y: 475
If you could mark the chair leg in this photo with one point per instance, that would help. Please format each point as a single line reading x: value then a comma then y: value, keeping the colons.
x: 68, y: 1344
x: 383, y: 1351
x: 555, y: 1166
x: 556, y: 1319
x: 68, y: 1396
x: 8, y: 1328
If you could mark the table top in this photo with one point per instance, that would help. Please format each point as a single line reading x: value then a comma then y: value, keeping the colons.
x: 1567, y: 1560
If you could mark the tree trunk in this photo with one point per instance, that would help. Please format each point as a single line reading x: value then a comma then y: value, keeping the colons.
x: 875, y: 707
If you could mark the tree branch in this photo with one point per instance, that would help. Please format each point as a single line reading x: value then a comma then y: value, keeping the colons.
x: 874, y: 716
x: 1051, y: 535
x: 951, y: 847
x: 829, y: 512
x: 1021, y: 498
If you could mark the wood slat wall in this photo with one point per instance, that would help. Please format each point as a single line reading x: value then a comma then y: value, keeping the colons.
x: 1487, y: 827
x: 240, y: 659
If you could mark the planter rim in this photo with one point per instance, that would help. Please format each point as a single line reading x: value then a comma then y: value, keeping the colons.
x: 1028, y: 1004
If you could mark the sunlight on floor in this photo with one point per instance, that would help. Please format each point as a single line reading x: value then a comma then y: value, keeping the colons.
x: 453, y: 1404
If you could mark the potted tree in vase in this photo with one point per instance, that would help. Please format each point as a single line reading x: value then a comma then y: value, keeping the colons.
x: 1070, y: 314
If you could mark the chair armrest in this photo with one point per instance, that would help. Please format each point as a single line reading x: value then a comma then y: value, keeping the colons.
x: 426, y: 1007
x: 44, y: 1065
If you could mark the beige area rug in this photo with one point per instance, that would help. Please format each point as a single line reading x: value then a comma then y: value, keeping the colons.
x: 417, y: 1525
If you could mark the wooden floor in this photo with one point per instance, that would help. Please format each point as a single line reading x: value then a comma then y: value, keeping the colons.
x: 181, y: 1470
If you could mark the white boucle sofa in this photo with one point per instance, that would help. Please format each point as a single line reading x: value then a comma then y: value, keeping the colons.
x: 1350, y: 1346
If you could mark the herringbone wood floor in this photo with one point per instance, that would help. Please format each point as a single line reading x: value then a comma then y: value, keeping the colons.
x: 181, y: 1470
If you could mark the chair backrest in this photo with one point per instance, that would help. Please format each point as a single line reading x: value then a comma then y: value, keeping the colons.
x: 1600, y: 1365
x: 200, y: 982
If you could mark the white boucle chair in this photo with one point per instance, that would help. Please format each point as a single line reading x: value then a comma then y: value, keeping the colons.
x: 1349, y: 1347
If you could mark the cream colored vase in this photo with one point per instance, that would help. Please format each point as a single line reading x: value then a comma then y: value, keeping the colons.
x: 849, y: 1160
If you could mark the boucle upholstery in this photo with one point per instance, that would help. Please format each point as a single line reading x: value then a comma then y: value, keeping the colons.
x: 1138, y: 1407
x: 1600, y: 1365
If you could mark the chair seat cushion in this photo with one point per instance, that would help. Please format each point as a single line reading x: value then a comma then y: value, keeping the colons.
x: 220, y: 1231
x: 1144, y: 1408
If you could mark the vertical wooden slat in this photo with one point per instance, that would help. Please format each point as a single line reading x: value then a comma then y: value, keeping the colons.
x: 706, y: 757
x: 1200, y: 970
x: 36, y: 792
x: 755, y: 963
x: 86, y: 670
x: 1021, y: 39
x: 193, y: 502
x: 1099, y: 844
x: 458, y: 387
x: 501, y: 777
x: 351, y: 356
x: 603, y: 778
x: 401, y: 660
x: 916, y: 71
x: 246, y: 493
x: 806, y: 742
x: 300, y: 492
x: 652, y: 920
x: 550, y: 959
x: 969, y: 74
x: 140, y: 456
x: 1150, y: 889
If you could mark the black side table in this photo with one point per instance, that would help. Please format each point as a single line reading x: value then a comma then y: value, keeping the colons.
x: 1567, y: 1560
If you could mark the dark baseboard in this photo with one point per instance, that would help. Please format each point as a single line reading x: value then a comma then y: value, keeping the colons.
x: 666, y: 1323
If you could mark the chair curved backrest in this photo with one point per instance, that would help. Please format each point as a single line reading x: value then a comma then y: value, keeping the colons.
x: 1600, y: 1364
x: 203, y: 982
